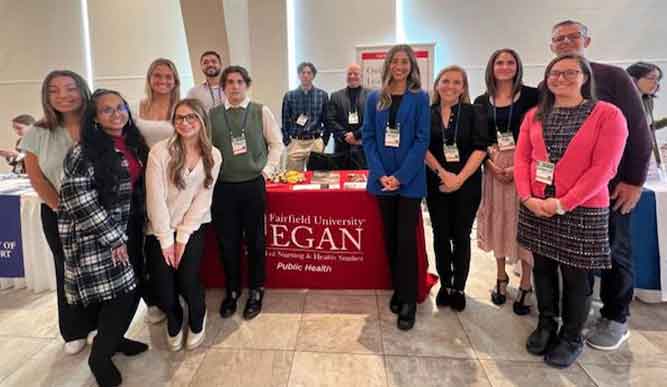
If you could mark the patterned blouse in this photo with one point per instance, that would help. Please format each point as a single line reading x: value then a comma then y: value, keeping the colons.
x: 89, y: 232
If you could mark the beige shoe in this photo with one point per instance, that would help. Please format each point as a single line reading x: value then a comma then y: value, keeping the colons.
x: 174, y: 343
x: 91, y: 337
x: 75, y: 346
x: 196, y: 339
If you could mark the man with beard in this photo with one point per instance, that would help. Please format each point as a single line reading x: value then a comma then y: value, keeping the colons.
x: 209, y: 92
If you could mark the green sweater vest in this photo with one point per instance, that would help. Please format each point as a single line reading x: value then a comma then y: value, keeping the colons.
x: 247, y: 166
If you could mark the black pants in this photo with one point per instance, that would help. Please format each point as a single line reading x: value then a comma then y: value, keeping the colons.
x: 399, y: 220
x: 238, y: 215
x: 170, y: 283
x: 136, y: 252
x: 75, y: 321
x: 617, y: 285
x: 113, y: 319
x: 452, y: 216
x: 577, y: 291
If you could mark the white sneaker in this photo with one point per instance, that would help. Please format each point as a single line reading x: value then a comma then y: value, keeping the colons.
x: 75, y: 346
x: 174, y: 343
x: 196, y: 339
x: 154, y: 315
x: 91, y: 337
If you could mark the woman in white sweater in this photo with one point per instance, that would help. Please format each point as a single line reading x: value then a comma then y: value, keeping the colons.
x: 180, y: 177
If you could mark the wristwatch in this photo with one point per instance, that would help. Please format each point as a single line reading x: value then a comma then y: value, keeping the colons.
x: 559, y: 208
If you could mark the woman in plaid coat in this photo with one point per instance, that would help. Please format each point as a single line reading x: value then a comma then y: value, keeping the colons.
x: 103, y: 176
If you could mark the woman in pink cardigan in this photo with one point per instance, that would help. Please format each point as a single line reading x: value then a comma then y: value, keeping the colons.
x: 569, y: 148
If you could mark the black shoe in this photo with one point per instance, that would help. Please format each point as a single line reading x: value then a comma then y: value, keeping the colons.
x: 565, y: 353
x: 444, y: 297
x: 406, y: 317
x: 254, y: 305
x: 131, y: 348
x: 228, y: 306
x: 499, y: 294
x: 543, y: 339
x: 520, y: 306
x: 105, y: 372
x: 458, y: 300
x: 394, y: 303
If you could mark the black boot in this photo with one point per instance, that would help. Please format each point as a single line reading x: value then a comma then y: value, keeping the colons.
x: 131, y: 348
x: 406, y: 317
x: 105, y: 372
x: 394, y: 303
x: 444, y: 297
x: 458, y: 300
x: 254, y: 305
x: 565, y: 353
x: 544, y: 338
x: 228, y: 306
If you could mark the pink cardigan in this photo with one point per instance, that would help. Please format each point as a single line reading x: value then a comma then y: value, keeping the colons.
x: 588, y: 164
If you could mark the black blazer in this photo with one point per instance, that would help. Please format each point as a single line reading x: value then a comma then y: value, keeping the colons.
x: 339, y: 107
x: 472, y: 135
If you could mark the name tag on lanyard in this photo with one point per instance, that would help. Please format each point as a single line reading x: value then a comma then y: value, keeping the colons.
x: 302, y: 120
x: 239, y: 144
x: 545, y: 172
x: 505, y: 141
x: 392, y: 137
x: 353, y: 118
x: 451, y: 153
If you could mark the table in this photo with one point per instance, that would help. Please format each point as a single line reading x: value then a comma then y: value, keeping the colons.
x: 322, y: 239
x: 33, y: 250
x: 649, y: 243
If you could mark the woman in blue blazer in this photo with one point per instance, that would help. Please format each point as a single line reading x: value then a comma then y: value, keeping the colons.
x: 395, y: 137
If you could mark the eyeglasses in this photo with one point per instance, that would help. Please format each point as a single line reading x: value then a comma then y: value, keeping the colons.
x: 190, y: 118
x: 652, y: 78
x: 570, y: 37
x: 109, y: 111
x: 569, y: 75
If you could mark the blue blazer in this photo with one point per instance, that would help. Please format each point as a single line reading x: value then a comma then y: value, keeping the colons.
x: 405, y: 163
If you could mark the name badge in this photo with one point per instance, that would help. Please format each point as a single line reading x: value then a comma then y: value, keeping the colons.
x: 239, y: 145
x: 545, y: 172
x: 392, y: 137
x: 353, y: 118
x: 451, y: 153
x: 506, y: 141
x: 301, y: 121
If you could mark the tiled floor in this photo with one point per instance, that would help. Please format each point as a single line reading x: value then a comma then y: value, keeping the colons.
x: 335, y: 338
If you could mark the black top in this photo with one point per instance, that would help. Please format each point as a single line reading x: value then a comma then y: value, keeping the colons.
x: 353, y: 93
x: 393, y: 109
x: 528, y: 99
x: 472, y: 135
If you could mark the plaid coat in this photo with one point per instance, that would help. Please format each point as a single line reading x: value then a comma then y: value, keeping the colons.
x: 89, y: 232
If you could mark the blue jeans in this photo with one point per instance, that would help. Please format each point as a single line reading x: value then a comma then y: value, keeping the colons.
x: 617, y: 286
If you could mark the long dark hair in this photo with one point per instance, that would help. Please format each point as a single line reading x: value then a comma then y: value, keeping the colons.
x: 490, y: 77
x: 98, y: 149
x: 413, y: 82
x: 546, y: 105
x: 641, y: 69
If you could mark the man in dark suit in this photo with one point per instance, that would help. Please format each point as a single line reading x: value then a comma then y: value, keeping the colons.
x: 345, y: 117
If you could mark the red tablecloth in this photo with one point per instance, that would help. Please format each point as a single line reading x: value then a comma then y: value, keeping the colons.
x: 322, y: 239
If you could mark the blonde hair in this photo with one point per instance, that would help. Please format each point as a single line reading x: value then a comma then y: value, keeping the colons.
x: 175, y: 94
x: 414, y: 79
x: 177, y: 148
x: 463, y: 98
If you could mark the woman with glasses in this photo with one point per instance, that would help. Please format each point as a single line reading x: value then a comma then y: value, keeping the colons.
x: 569, y: 148
x: 506, y: 101
x: 180, y: 178
x: 65, y: 96
x: 647, y: 77
x: 457, y: 148
x: 100, y: 219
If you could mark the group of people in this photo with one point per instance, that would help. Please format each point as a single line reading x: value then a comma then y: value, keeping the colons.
x: 127, y: 188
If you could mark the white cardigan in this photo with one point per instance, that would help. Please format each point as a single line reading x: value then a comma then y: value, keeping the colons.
x: 170, y: 209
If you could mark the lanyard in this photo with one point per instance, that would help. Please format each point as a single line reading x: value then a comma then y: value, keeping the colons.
x: 456, y: 126
x: 509, y: 119
x: 210, y: 90
x: 243, y: 125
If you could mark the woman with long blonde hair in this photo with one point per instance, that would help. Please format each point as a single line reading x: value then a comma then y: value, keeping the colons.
x: 180, y: 177
x: 163, y: 91
x: 395, y: 137
x: 458, y: 146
